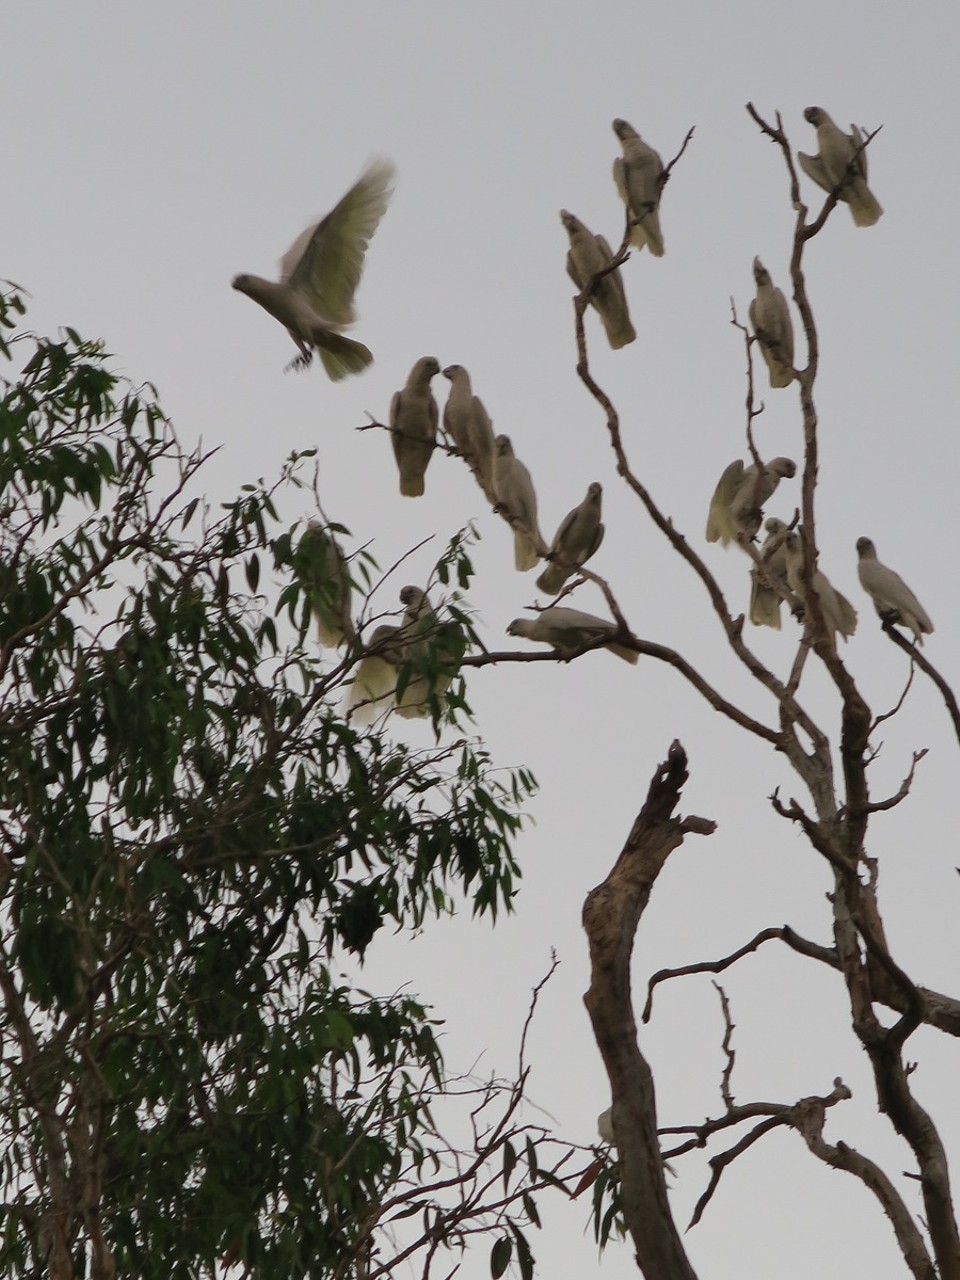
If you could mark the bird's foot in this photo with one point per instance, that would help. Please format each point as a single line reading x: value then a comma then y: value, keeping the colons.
x: 300, y: 362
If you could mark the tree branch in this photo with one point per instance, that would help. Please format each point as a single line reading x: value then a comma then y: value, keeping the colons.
x: 808, y: 1121
x: 926, y: 666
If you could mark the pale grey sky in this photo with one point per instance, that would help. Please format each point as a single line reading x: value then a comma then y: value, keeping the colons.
x: 152, y: 152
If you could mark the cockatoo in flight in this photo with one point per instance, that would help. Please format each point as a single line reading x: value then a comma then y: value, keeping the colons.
x: 319, y: 275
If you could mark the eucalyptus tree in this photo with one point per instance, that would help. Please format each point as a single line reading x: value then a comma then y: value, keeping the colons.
x: 193, y: 835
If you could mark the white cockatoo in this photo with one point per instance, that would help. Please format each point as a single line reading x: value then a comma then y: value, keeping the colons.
x: 322, y: 568
x: 736, y: 507
x: 838, y: 613
x: 432, y: 649
x: 421, y: 654
x: 638, y: 175
x: 578, y: 537
x: 417, y: 631
x: 605, y: 1127
x: 515, y: 495
x: 569, y: 629
x: 770, y: 317
x: 413, y: 426
x: 587, y: 255
x: 893, y: 599
x: 840, y: 167
x: 468, y: 424
x: 319, y: 275
x: 375, y: 679
x: 764, y: 597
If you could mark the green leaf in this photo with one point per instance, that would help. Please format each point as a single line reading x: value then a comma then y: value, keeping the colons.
x: 500, y: 1256
x: 525, y: 1259
x: 530, y: 1209
x: 509, y: 1162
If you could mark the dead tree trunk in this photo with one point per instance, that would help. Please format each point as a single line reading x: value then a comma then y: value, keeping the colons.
x: 611, y: 914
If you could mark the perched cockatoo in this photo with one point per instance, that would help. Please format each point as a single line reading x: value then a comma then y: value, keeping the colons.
x: 578, y: 537
x: 468, y: 424
x: 569, y: 629
x: 515, y: 495
x: 319, y: 275
x: 736, y: 507
x: 413, y: 426
x: 422, y: 654
x: 770, y: 317
x: 638, y: 177
x: 894, y: 600
x: 322, y: 567
x: 605, y: 1127
x: 838, y: 613
x: 417, y: 631
x: 840, y: 167
x: 764, y: 597
x: 587, y: 255
x: 432, y: 649
x: 375, y: 679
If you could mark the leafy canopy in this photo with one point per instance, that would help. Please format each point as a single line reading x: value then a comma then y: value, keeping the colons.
x: 190, y: 833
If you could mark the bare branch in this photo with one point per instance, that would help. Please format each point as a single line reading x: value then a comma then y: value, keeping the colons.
x: 929, y: 669
x: 534, y: 997
x: 780, y: 1115
x: 727, y: 1046
x: 808, y: 1122
x: 827, y: 955
x: 720, y: 1162
x: 648, y: 649
x: 665, y: 176
x: 752, y: 410
x: 888, y: 715
x: 875, y: 806
x: 588, y: 575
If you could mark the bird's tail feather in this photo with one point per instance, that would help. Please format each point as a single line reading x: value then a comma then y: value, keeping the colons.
x: 342, y: 356
x: 865, y: 207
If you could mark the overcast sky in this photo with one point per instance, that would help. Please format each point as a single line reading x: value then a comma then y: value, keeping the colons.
x: 152, y: 152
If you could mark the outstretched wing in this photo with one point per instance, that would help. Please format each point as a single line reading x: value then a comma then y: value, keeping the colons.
x: 325, y: 262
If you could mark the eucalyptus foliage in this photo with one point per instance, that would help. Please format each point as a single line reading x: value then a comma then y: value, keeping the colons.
x: 191, y: 834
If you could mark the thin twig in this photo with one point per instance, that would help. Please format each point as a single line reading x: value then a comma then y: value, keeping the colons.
x: 925, y: 665
x: 729, y: 1052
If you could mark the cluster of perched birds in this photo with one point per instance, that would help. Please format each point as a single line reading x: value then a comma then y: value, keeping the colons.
x: 313, y: 299
x: 736, y: 508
